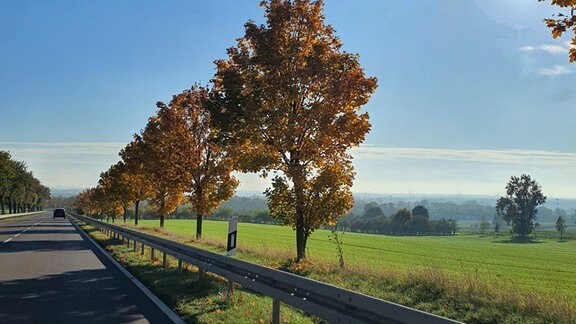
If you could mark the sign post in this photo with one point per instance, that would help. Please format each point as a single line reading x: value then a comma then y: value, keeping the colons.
x: 232, y: 231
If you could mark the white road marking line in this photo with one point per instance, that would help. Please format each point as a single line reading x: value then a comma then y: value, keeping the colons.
x: 15, y: 236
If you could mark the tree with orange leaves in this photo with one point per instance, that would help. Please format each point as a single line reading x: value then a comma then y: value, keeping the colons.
x: 289, y: 100
x: 159, y: 145
x: 203, y: 160
x: 134, y: 175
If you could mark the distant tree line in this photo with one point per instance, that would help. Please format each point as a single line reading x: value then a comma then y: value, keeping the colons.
x: 402, y: 222
x: 247, y: 209
x: 20, y: 191
x: 371, y: 217
x: 373, y: 220
x: 466, y: 210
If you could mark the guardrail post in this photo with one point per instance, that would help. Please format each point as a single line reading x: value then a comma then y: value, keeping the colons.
x: 152, y: 253
x: 134, y: 245
x: 230, y: 287
x: 142, y: 252
x: 164, y: 263
x: 275, y: 311
x: 180, y: 265
x: 201, y: 273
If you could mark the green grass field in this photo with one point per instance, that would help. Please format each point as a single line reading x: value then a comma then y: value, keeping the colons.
x: 548, y: 228
x: 545, y: 266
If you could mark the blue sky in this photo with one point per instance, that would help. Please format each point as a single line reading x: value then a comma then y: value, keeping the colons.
x: 470, y: 92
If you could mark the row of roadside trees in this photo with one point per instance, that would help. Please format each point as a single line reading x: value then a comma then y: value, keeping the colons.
x: 20, y: 191
x: 285, y: 102
x: 177, y: 157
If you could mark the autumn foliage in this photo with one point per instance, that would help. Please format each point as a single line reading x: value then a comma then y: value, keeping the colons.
x: 285, y: 102
x: 290, y: 98
x: 203, y: 164
x: 135, y: 177
x: 564, y: 22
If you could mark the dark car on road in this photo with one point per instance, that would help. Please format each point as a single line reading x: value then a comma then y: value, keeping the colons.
x: 59, y: 212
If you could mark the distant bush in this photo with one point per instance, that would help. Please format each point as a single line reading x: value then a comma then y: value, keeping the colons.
x: 402, y: 222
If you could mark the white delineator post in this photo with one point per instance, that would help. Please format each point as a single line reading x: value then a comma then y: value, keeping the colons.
x: 231, y: 246
x: 232, y: 235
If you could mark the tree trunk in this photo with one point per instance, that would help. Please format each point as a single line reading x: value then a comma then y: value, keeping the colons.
x: 299, y: 178
x: 162, y: 221
x: 524, y: 235
x: 198, y: 226
x: 125, y: 210
x: 136, y: 204
x: 301, y: 239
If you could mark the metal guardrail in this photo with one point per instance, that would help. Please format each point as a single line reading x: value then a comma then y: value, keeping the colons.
x: 336, y: 305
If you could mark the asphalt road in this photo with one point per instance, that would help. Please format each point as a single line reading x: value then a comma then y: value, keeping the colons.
x: 50, y: 274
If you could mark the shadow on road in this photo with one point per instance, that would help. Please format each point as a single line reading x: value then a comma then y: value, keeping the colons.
x: 44, y: 231
x: 43, y: 246
x: 71, y: 297
x: 51, y: 223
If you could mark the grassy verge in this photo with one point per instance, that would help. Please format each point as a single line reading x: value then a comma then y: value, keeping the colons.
x: 196, y: 301
x: 466, y: 297
x: 544, y: 265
